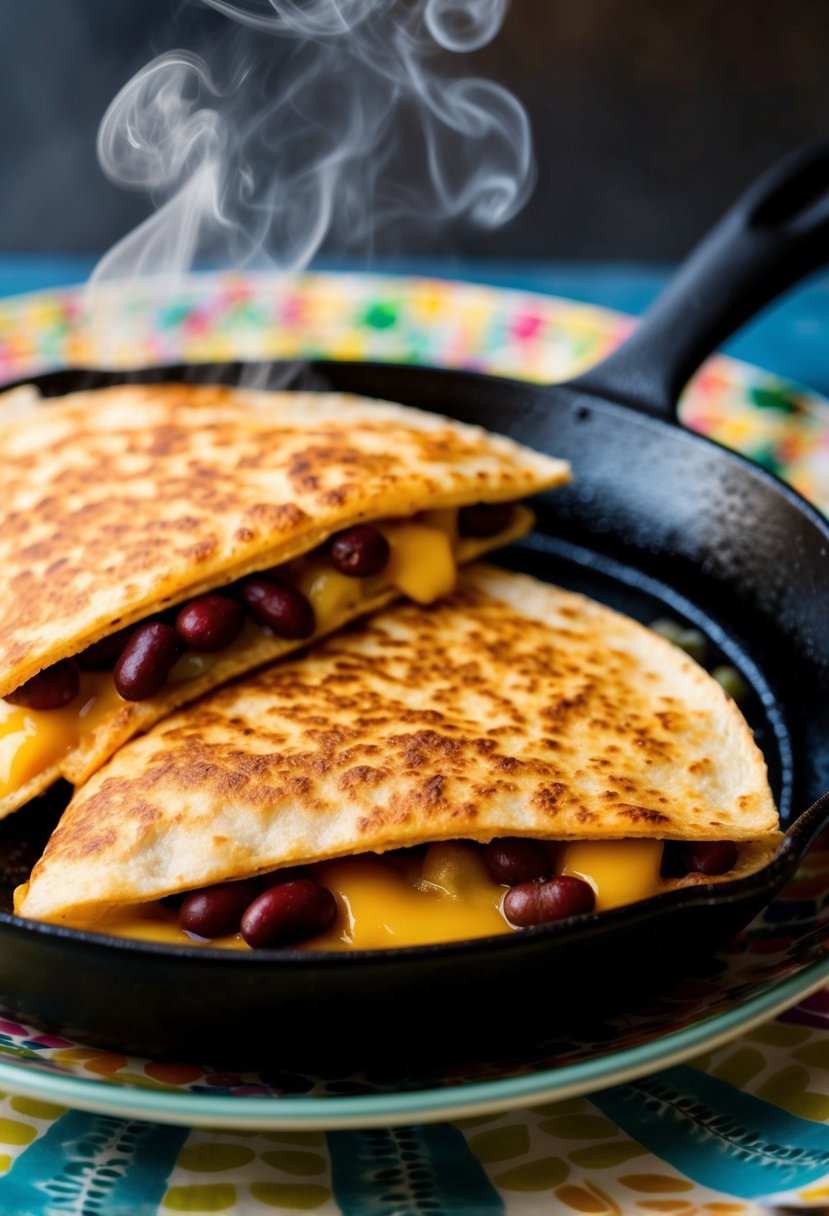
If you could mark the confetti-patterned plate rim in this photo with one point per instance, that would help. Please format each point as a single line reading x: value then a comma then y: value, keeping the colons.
x: 426, y: 1106
x: 507, y: 332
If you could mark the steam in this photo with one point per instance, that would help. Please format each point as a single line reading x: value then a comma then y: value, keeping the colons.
x: 337, y: 126
x: 464, y: 25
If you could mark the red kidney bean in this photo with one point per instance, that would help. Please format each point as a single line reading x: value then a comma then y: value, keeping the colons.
x: 485, y: 518
x: 360, y: 551
x: 709, y: 856
x: 680, y: 857
x: 284, y: 609
x: 275, y: 877
x: 513, y: 860
x: 103, y: 655
x: 673, y: 862
x: 537, y: 903
x: 216, y: 911
x: 289, y: 912
x: 210, y: 622
x: 146, y: 660
x: 51, y: 688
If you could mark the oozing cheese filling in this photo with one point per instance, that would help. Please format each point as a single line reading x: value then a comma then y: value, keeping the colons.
x: 619, y: 871
x: 33, y: 740
x: 408, y: 899
x: 422, y: 565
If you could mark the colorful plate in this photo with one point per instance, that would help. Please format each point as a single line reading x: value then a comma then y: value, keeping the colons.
x: 779, y: 959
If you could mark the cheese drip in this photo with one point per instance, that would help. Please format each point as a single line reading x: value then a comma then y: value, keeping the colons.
x: 422, y: 566
x: 616, y: 878
x: 33, y: 740
x: 403, y: 899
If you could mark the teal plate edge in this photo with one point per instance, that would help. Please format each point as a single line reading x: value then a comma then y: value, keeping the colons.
x: 424, y: 1106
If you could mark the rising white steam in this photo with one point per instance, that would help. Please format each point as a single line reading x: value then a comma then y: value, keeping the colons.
x: 464, y: 25
x: 348, y: 119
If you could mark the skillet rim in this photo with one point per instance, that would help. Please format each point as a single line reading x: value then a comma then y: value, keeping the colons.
x: 794, y: 845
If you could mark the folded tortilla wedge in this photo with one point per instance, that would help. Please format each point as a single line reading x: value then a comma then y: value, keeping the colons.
x: 121, y: 503
x: 511, y: 708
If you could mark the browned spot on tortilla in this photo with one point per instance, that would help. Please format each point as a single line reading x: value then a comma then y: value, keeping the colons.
x: 642, y: 814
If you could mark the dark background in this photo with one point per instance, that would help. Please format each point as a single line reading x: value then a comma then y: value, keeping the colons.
x: 648, y: 116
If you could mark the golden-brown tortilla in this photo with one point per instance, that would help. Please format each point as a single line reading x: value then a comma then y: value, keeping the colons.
x: 510, y: 708
x: 123, y: 501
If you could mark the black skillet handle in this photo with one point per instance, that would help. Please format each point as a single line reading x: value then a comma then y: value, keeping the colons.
x: 772, y: 236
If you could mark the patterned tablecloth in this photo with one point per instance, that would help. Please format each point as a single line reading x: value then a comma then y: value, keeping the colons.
x: 743, y: 1126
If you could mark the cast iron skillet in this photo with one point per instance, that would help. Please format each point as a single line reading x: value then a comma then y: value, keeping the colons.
x: 657, y: 521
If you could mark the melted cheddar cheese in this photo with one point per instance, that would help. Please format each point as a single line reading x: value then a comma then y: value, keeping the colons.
x: 405, y: 899
x: 619, y: 871
x: 33, y: 740
x: 382, y: 905
x: 421, y: 562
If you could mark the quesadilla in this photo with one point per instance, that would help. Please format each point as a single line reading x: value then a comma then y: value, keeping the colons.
x: 510, y: 713
x: 158, y: 540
